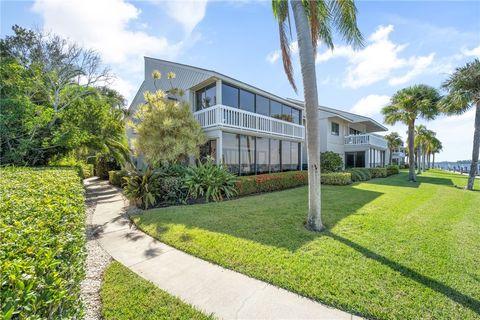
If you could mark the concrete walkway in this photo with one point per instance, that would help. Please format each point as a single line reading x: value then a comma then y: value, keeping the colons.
x: 210, y: 288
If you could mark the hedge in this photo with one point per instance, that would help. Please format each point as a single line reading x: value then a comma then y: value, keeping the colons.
x: 360, y: 174
x: 115, y: 177
x: 284, y: 180
x: 378, y: 172
x: 42, y: 247
x: 392, y: 169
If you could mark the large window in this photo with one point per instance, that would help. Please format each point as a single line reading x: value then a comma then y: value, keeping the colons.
x: 231, y: 152
x: 286, y: 155
x: 263, y: 105
x: 287, y: 113
x: 262, y: 155
x: 247, y: 154
x: 335, y: 129
x: 274, y: 155
x: 229, y: 96
x: 206, y: 97
x: 297, y: 116
x: 275, y: 109
x: 295, y: 156
x: 247, y: 101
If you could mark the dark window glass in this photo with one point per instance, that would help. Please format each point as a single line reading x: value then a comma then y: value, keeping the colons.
x: 262, y: 154
x: 296, y: 116
x: 275, y: 109
x: 247, y: 154
x: 274, y: 155
x: 229, y: 96
x: 295, y: 156
x: 335, y: 129
x: 209, y: 149
x: 210, y: 96
x: 263, y: 105
x: 360, y: 159
x: 354, y: 131
x: 286, y: 155
x: 247, y: 101
x: 287, y: 113
x: 230, y: 152
x: 199, y: 99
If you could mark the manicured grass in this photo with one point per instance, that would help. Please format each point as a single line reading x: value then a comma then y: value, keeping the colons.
x: 126, y: 295
x: 392, y: 249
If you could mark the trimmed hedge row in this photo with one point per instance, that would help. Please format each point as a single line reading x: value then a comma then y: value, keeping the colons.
x: 284, y: 180
x: 378, y: 172
x: 392, y: 169
x: 42, y: 247
x: 360, y: 174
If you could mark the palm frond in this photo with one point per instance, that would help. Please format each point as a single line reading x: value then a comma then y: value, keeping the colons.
x: 344, y: 13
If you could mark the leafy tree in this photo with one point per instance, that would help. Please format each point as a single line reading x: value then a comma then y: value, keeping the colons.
x: 394, y: 141
x: 463, y: 88
x: 165, y: 129
x: 314, y: 21
x: 406, y: 106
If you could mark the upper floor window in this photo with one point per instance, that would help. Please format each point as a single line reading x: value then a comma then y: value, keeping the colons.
x: 247, y: 101
x: 262, y: 105
x: 354, y: 131
x: 229, y: 96
x: 206, y: 97
x: 335, y: 129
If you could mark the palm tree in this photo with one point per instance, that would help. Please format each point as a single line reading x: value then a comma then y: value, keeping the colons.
x: 423, y: 138
x: 430, y: 147
x: 314, y: 21
x: 436, y: 148
x: 406, y: 106
x: 394, y: 141
x: 463, y: 88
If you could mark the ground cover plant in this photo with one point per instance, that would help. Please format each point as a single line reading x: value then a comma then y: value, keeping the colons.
x: 392, y: 249
x: 42, y: 233
x: 126, y: 295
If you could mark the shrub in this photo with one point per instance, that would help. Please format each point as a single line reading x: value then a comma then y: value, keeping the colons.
x: 378, y: 172
x: 271, y: 182
x: 143, y: 189
x: 116, y: 177
x: 336, y: 178
x: 330, y: 162
x: 210, y: 181
x: 84, y: 169
x: 42, y: 247
x: 173, y: 190
x: 360, y: 174
x: 392, y: 169
x: 104, y: 165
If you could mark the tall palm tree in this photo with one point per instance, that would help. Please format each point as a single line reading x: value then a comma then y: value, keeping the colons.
x: 314, y: 21
x: 430, y: 147
x: 463, y: 88
x: 436, y: 148
x: 423, y: 137
x: 394, y: 141
x: 406, y: 106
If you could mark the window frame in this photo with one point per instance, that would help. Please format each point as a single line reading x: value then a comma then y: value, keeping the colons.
x: 332, y: 131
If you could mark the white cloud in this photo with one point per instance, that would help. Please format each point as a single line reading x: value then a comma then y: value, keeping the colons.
x: 108, y: 26
x: 370, y: 105
x: 420, y: 65
x: 377, y: 61
x: 273, y: 56
x: 475, y: 52
x: 187, y: 13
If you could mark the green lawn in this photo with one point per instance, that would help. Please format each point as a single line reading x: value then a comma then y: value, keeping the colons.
x: 393, y: 249
x: 126, y: 295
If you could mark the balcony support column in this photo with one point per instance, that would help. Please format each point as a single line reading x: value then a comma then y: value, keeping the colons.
x: 218, y: 91
x: 219, y: 159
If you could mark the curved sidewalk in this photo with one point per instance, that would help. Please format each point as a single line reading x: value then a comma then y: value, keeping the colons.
x: 210, y: 288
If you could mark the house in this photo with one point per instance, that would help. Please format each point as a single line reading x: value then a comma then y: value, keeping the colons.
x: 253, y: 131
x: 399, y: 155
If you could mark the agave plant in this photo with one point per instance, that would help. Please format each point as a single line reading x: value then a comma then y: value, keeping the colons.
x: 210, y: 181
x: 143, y: 189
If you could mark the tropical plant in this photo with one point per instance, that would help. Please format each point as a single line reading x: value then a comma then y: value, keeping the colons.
x: 143, y: 189
x: 330, y: 162
x: 314, y: 21
x: 394, y: 141
x: 435, y: 147
x: 210, y: 181
x: 165, y: 129
x: 419, y: 101
x: 463, y: 88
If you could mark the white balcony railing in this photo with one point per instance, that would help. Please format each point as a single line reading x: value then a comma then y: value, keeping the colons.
x: 223, y: 116
x: 366, y: 139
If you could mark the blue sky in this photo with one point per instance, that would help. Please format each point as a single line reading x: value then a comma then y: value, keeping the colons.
x: 407, y: 42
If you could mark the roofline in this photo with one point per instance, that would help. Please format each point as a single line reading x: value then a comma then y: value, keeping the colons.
x: 230, y: 79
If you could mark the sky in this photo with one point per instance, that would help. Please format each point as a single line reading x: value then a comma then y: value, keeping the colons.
x: 406, y: 43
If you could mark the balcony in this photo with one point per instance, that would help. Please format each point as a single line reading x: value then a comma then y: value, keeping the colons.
x: 223, y: 116
x: 366, y: 140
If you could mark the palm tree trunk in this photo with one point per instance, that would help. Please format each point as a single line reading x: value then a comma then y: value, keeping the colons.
x: 307, y: 62
x: 419, y: 160
x: 411, y: 152
x: 476, y: 147
x: 391, y: 151
x: 433, y: 160
x: 424, y: 156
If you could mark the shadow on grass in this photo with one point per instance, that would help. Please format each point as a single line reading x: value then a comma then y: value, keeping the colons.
x: 401, y: 180
x: 275, y: 219
x: 451, y: 293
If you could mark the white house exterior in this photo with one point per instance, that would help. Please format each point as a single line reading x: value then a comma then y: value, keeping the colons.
x: 253, y: 131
